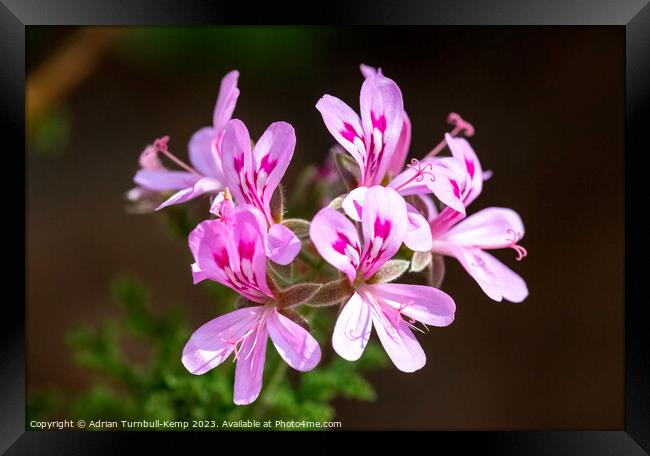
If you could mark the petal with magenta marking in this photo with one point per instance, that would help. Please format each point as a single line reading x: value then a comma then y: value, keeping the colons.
x: 337, y: 241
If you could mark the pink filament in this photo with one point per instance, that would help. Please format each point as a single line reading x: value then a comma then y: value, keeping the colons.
x: 521, y: 251
x: 162, y: 145
x: 421, y: 171
x: 460, y: 126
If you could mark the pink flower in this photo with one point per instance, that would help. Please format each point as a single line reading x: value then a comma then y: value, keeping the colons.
x: 382, y: 305
x: 379, y: 144
x: 372, y: 140
x: 204, y: 174
x: 396, y: 163
x: 491, y: 228
x: 419, y: 178
x: 253, y: 175
x: 234, y: 254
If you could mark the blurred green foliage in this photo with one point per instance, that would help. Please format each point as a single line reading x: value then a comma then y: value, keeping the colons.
x: 183, y: 49
x: 51, y: 133
x: 161, y: 388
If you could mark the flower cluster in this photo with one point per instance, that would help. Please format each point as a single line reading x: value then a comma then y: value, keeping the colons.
x: 246, y: 243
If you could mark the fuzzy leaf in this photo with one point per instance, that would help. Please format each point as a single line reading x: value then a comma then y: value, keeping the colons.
x: 417, y: 203
x: 271, y: 280
x: 331, y: 293
x: 436, y: 271
x: 280, y: 273
x: 296, y: 318
x: 242, y: 302
x: 298, y: 294
x: 347, y: 168
x: 420, y: 260
x: 299, y: 227
x: 337, y: 202
x: 390, y: 271
x: 277, y: 204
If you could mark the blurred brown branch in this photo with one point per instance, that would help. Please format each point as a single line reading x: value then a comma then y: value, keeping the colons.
x: 66, y: 68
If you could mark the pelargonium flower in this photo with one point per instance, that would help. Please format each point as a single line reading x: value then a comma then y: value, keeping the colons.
x: 372, y: 139
x: 145, y: 199
x: 466, y: 239
x: 254, y: 175
x: 379, y: 143
x: 204, y: 173
x: 398, y: 158
x: 382, y: 305
x: 234, y: 254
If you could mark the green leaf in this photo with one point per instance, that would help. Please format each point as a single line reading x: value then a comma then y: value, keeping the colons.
x: 242, y: 302
x: 418, y: 203
x: 347, y: 168
x: 331, y: 293
x: 296, y: 318
x: 420, y: 260
x: 280, y: 273
x: 299, y: 227
x: 391, y: 270
x: 277, y: 204
x: 337, y: 202
x: 298, y: 294
x: 436, y: 271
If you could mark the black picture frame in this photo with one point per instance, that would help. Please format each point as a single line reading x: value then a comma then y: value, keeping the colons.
x: 633, y: 15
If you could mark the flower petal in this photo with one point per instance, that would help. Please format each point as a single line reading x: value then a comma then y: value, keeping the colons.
x: 352, y: 329
x: 344, y: 124
x: 210, y: 244
x: 367, y: 71
x: 428, y: 305
x: 441, y: 176
x: 213, y: 342
x: 282, y: 245
x: 399, y: 341
x: 431, y: 209
x: 337, y: 241
x: 233, y: 254
x: 163, y: 180
x: 202, y: 186
x: 237, y: 161
x: 226, y: 101
x: 249, y: 235
x: 418, y: 233
x: 250, y: 367
x: 495, y: 278
x: 382, y: 117
x: 401, y: 148
x: 490, y: 228
x: 294, y: 344
x: 203, y: 155
x: 463, y: 152
x: 384, y: 224
x: 353, y: 203
x: 272, y: 154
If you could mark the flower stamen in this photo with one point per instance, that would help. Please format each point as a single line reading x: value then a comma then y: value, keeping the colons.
x: 161, y: 145
x: 422, y: 170
x: 512, y: 240
x: 460, y: 126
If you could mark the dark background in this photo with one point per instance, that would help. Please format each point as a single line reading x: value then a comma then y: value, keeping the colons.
x: 548, y: 107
